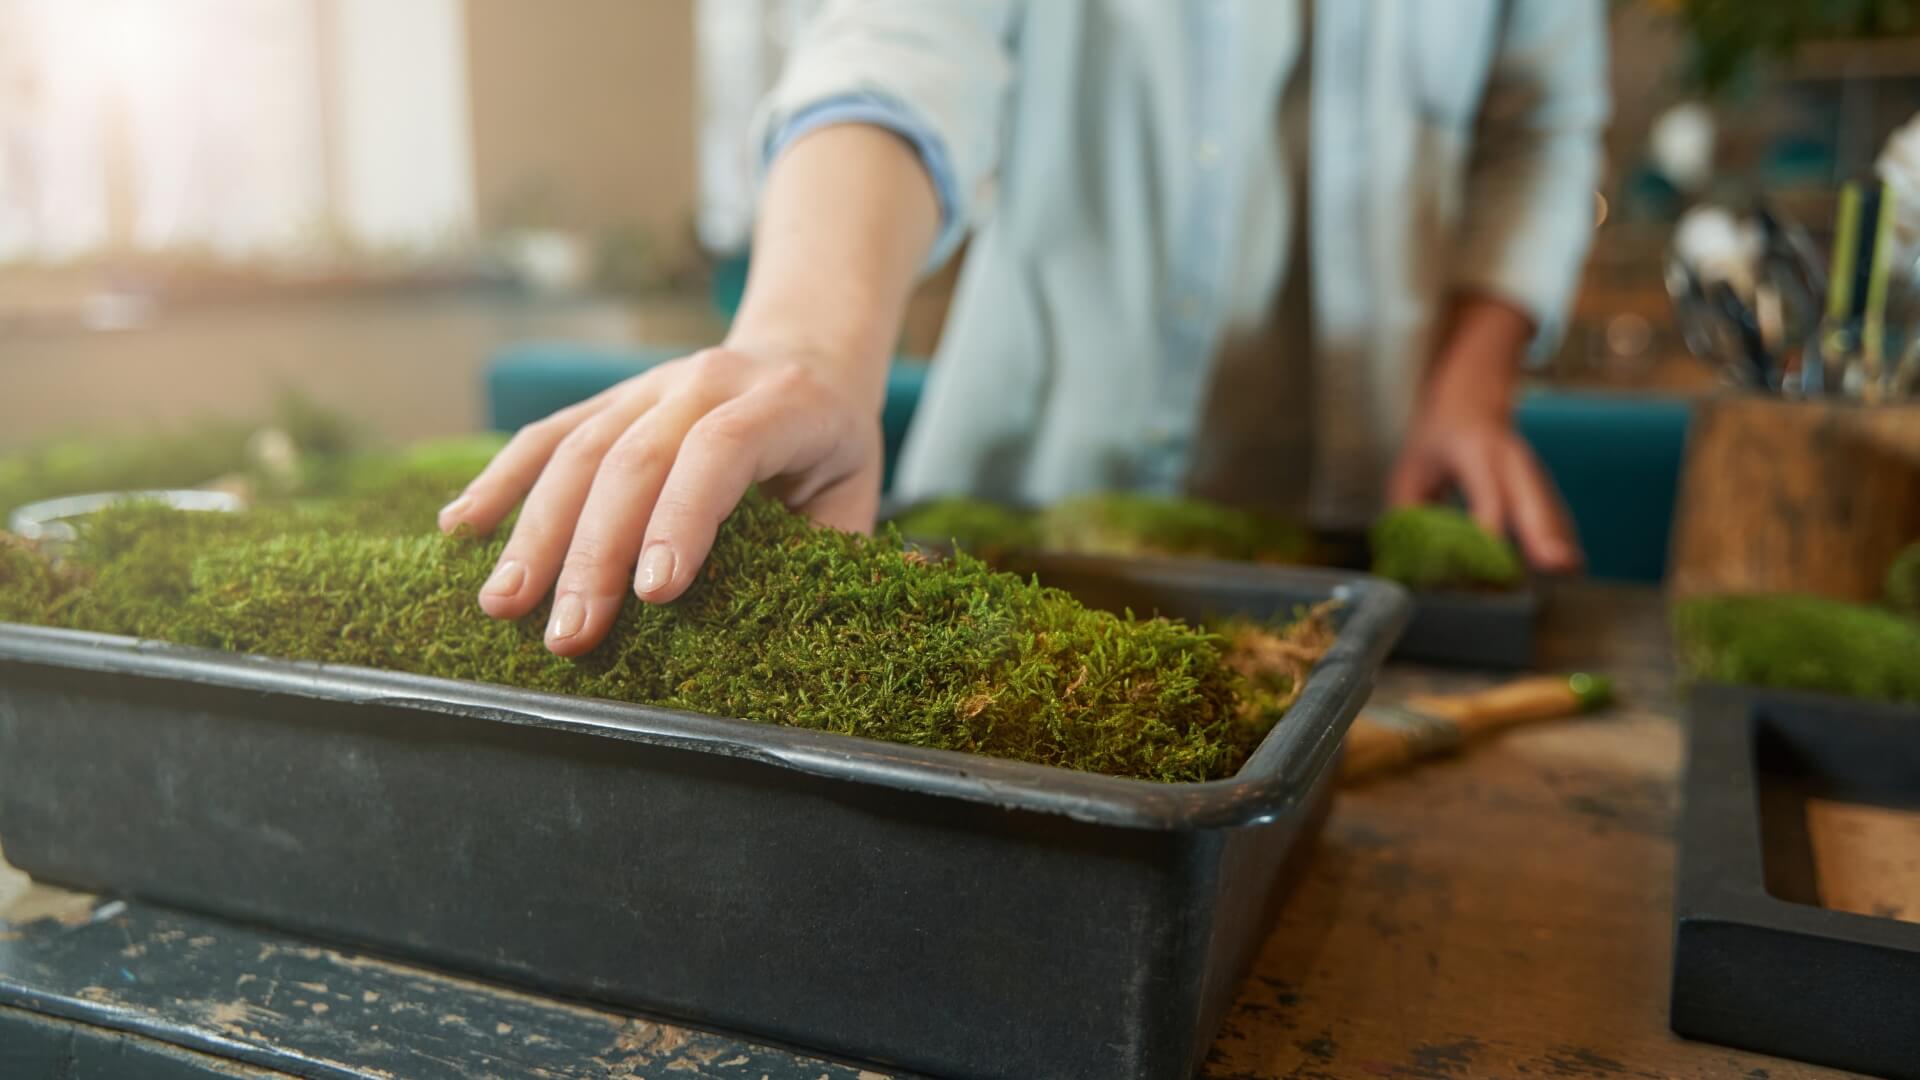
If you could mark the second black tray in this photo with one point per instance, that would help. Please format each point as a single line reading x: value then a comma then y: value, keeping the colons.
x: 1455, y: 628
x: 1757, y: 962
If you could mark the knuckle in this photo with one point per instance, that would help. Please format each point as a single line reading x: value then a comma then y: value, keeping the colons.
x: 721, y: 429
x: 586, y: 442
x: 710, y: 370
x: 790, y: 378
x: 586, y: 556
x: 675, y: 512
x: 635, y: 453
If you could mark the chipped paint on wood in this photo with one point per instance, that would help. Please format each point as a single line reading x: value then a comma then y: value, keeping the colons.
x: 277, y: 1002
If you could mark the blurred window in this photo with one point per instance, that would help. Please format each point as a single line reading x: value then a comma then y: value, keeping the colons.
x: 231, y: 127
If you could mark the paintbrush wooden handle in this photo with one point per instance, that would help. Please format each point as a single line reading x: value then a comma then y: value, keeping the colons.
x: 1428, y: 725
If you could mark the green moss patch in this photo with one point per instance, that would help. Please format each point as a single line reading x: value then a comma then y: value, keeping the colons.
x: 188, y: 457
x: 1132, y: 524
x: 1436, y: 547
x: 1800, y: 643
x: 976, y: 526
x: 787, y: 624
x: 1120, y: 524
x: 1903, y: 581
x: 79, y: 467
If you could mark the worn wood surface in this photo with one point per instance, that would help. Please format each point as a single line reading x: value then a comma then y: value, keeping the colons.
x: 1503, y: 914
x: 292, y: 1007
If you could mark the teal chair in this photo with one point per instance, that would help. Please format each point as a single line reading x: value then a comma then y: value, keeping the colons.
x: 1616, y: 459
x: 529, y: 381
x: 1617, y: 462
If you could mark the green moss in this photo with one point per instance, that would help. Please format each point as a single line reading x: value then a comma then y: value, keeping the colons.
x: 1799, y: 642
x: 1133, y: 524
x: 1903, y: 581
x: 1435, y: 547
x: 188, y: 457
x: 442, y: 466
x: 29, y: 585
x: 787, y: 624
x: 976, y: 526
x: 81, y: 466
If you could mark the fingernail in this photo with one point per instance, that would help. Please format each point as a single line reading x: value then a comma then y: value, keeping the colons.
x: 506, y: 580
x: 454, y: 509
x: 656, y: 568
x: 569, y: 614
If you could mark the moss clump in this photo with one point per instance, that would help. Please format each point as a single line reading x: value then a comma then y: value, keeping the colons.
x: 185, y: 458
x: 1435, y: 547
x: 29, y: 585
x: 787, y: 624
x: 1799, y: 642
x: 1131, y: 524
x: 1121, y: 524
x: 428, y: 469
x: 976, y: 526
x: 1903, y: 581
x: 78, y: 467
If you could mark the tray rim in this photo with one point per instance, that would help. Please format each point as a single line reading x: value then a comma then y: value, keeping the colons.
x: 1278, y: 775
x: 1722, y: 723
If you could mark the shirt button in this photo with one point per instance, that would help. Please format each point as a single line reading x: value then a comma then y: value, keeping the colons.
x: 1207, y: 153
x: 1187, y: 307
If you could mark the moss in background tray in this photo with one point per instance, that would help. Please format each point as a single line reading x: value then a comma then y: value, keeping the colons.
x: 1115, y: 523
x: 1132, y: 524
x: 184, y: 458
x: 787, y: 624
x: 1903, y: 581
x: 1799, y: 643
x: 989, y: 530
x: 83, y: 466
x: 1437, y: 547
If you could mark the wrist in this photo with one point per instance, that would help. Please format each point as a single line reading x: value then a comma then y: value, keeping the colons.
x: 1472, y: 385
x: 853, y: 363
x: 1475, y: 371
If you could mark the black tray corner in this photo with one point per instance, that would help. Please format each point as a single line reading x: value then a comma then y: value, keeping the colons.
x: 1757, y: 963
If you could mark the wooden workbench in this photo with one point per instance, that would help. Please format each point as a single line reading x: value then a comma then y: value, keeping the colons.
x: 1505, y: 914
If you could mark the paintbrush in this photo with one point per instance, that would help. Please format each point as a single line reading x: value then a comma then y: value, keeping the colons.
x: 1387, y: 736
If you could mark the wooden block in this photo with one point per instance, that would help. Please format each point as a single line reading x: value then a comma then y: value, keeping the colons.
x: 1792, y: 496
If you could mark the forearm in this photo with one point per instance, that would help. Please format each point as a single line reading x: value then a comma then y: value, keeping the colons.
x: 1477, y: 359
x: 846, y: 219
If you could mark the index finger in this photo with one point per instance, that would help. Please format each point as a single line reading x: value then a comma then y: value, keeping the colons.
x: 492, y: 495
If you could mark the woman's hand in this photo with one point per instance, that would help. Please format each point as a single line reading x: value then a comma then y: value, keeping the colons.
x: 1463, y: 438
x: 627, y: 489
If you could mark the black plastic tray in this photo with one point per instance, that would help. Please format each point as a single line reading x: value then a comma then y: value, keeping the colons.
x: 1472, y: 629
x: 1757, y: 963
x: 952, y: 914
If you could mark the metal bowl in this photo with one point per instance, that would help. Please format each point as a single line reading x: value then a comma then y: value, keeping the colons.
x: 50, y: 521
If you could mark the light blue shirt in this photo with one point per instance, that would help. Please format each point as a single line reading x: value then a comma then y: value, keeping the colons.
x: 1132, y: 193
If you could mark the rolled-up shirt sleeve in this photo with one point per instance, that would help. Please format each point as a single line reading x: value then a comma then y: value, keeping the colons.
x: 878, y: 111
x: 1530, y: 189
x: 934, y: 72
